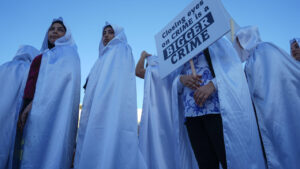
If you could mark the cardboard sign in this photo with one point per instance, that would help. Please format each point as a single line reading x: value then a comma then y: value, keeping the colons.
x: 198, y: 26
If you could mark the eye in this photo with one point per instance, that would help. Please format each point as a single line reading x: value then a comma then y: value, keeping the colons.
x: 51, y: 29
x: 61, y: 29
x: 111, y: 32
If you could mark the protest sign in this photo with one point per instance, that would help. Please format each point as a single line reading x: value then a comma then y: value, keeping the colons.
x: 199, y: 25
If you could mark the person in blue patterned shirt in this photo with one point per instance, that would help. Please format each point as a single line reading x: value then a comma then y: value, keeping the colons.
x: 202, y: 112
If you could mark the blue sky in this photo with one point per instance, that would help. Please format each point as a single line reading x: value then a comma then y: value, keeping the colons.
x: 25, y: 22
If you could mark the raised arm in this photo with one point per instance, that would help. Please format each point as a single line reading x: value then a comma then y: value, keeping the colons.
x: 140, y: 69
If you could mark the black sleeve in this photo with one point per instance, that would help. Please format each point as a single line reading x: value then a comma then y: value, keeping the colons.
x: 207, y: 57
x: 84, y: 86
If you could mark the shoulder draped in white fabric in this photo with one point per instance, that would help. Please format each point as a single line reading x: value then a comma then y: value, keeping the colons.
x: 13, y: 77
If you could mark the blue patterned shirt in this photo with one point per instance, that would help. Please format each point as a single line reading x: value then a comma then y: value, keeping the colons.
x: 212, y: 105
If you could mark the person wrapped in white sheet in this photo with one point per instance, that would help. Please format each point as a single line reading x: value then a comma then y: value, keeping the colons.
x: 295, y: 48
x: 217, y: 107
x: 107, y: 136
x: 157, y: 135
x: 48, y: 120
x: 274, y: 79
x: 13, y: 75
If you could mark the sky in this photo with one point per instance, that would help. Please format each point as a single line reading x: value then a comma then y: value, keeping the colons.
x: 26, y: 22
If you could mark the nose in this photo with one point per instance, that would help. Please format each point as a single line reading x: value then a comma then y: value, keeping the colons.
x: 55, y: 31
x: 105, y: 35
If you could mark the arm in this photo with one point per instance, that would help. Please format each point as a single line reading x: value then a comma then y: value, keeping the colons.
x: 139, y: 69
x: 23, y: 116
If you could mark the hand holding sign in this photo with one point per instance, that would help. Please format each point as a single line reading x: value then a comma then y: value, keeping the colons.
x: 191, y: 81
x: 140, y: 70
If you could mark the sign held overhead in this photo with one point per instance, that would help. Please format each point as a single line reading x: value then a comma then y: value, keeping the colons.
x: 199, y: 25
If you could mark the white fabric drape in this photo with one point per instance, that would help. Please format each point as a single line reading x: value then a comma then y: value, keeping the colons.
x: 13, y: 77
x: 157, y: 135
x: 274, y: 79
x: 107, y: 137
x: 50, y: 130
x: 241, y: 137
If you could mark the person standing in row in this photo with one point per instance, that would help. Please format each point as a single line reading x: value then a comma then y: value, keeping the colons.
x: 13, y: 76
x: 107, y: 136
x: 273, y: 78
x: 48, y: 120
x: 219, y: 116
x: 157, y: 134
x: 295, y: 48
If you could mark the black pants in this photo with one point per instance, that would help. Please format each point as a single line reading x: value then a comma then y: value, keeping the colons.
x: 206, y: 136
x: 17, y: 156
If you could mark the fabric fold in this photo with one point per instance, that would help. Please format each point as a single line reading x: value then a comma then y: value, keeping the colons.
x: 50, y: 130
x: 107, y: 136
x: 13, y: 77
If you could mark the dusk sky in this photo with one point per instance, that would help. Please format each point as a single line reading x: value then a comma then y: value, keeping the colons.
x: 26, y: 22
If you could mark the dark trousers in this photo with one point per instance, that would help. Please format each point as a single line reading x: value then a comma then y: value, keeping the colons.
x: 206, y: 136
x: 18, y: 148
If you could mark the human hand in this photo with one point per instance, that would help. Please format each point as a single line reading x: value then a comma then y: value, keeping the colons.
x: 144, y: 55
x: 203, y: 92
x: 23, y: 116
x: 140, y: 69
x: 191, y: 81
